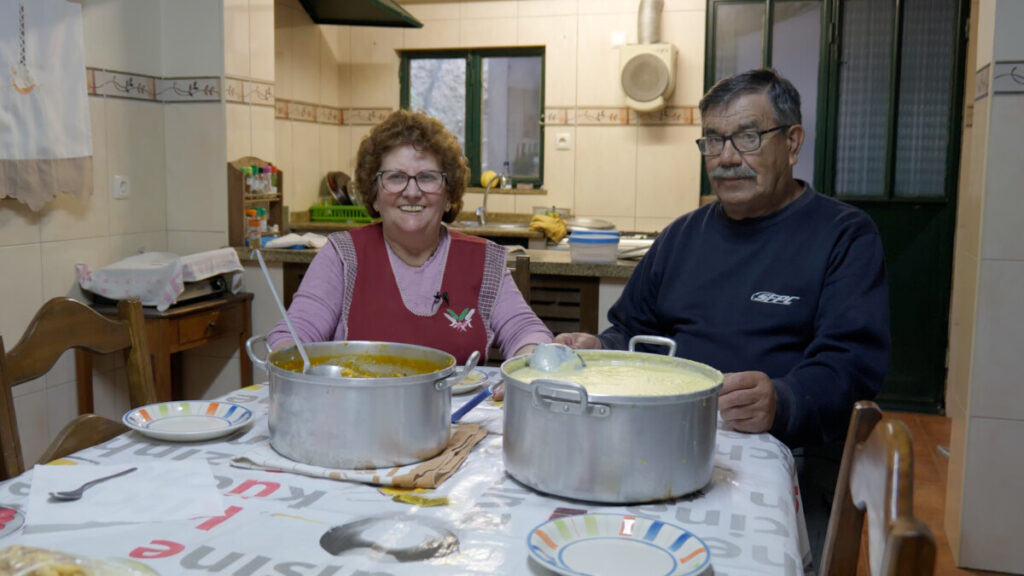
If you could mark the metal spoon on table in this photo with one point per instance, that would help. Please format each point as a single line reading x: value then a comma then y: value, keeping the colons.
x: 319, y: 369
x: 75, y: 494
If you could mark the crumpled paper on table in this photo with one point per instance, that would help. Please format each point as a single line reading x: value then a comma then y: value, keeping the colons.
x: 427, y: 474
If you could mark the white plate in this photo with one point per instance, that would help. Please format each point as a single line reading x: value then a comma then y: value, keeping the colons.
x: 598, y: 544
x: 471, y: 383
x: 187, y: 420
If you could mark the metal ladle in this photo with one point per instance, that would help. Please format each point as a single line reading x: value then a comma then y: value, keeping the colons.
x: 319, y: 369
x: 555, y: 357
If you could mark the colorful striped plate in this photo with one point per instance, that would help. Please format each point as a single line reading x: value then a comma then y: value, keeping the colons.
x: 598, y: 544
x: 187, y: 421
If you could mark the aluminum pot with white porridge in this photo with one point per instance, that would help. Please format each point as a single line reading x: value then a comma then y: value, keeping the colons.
x: 628, y: 427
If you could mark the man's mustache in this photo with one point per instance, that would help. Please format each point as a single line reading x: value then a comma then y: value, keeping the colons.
x: 741, y: 171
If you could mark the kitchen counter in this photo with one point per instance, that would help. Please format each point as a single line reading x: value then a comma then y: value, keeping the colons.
x: 497, y: 226
x: 542, y: 262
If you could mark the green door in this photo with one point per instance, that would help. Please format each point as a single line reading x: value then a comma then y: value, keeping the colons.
x: 896, y: 95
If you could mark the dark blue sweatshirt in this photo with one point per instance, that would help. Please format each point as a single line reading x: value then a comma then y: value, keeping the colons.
x: 801, y: 295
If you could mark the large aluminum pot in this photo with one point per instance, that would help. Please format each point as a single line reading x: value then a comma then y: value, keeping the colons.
x: 339, y: 422
x: 561, y: 440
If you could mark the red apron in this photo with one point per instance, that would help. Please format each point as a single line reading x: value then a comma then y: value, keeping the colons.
x: 378, y: 313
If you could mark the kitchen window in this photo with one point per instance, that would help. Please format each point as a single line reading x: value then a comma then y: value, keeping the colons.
x: 492, y: 100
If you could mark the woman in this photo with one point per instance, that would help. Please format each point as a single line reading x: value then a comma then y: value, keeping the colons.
x: 408, y: 278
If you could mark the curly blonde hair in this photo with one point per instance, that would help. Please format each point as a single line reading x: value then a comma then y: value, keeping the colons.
x: 425, y: 134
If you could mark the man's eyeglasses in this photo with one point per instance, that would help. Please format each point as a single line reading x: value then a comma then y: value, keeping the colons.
x: 396, y: 181
x: 746, y: 141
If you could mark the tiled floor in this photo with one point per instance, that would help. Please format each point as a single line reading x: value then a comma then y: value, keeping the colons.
x: 930, y: 468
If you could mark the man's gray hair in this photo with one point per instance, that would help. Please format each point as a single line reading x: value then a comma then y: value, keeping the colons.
x: 783, y: 95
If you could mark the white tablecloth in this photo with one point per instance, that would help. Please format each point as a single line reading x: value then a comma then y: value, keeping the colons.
x: 273, y: 522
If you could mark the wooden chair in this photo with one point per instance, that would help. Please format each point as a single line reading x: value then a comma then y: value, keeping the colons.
x: 521, y: 276
x: 61, y: 324
x: 876, y: 477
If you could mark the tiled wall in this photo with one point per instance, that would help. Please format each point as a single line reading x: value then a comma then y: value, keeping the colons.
x: 173, y: 154
x: 638, y: 172
x: 984, y: 395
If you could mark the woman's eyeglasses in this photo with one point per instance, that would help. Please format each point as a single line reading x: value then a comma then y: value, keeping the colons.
x: 396, y: 181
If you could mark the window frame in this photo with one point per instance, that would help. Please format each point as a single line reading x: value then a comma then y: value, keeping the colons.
x: 474, y: 97
x: 828, y: 100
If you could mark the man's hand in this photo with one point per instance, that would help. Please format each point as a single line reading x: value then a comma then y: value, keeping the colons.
x: 747, y: 401
x: 579, y: 340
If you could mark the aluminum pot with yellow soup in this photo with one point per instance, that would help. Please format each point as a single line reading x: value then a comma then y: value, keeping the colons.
x: 391, y: 405
x: 628, y: 427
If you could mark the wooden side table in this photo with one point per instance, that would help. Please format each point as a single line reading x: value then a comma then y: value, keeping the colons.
x: 177, y: 329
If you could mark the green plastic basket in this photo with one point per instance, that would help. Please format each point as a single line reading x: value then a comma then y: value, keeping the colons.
x: 339, y: 214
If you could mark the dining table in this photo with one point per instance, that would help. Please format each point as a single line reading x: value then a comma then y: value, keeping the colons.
x: 480, y: 520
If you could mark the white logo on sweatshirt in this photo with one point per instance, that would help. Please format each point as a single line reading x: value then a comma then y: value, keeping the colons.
x: 773, y: 298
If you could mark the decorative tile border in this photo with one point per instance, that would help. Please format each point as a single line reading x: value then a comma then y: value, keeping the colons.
x: 234, y: 90
x: 259, y: 93
x: 559, y: 116
x: 188, y: 89
x: 121, y: 84
x: 613, y: 116
x: 366, y: 116
x: 325, y: 115
x: 670, y: 115
x: 1008, y: 78
x: 295, y: 111
x: 305, y: 112
x: 143, y: 87
x: 242, y: 91
x: 602, y: 116
x: 981, y: 83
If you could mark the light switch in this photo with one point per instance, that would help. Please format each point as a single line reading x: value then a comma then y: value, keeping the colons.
x: 121, y: 187
x: 563, y: 141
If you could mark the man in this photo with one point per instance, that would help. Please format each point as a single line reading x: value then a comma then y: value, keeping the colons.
x: 777, y: 286
x: 782, y: 289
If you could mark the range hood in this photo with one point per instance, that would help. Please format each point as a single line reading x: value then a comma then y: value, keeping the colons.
x: 360, y: 13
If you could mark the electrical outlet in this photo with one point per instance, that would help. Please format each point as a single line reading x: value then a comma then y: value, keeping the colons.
x: 563, y: 141
x: 121, y: 187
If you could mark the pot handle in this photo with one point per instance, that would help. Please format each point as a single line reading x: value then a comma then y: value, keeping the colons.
x: 565, y: 397
x: 250, y: 345
x: 656, y: 340
x: 461, y: 374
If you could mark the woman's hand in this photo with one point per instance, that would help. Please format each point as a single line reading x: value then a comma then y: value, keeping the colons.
x: 579, y: 340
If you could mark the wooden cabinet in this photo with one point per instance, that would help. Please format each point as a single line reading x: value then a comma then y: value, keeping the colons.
x: 175, y: 330
x: 243, y: 196
x: 566, y: 303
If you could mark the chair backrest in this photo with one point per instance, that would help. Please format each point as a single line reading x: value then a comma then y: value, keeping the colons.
x: 62, y: 324
x: 521, y: 275
x: 876, y: 477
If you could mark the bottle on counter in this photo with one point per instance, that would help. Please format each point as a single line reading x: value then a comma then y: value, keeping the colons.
x: 506, y: 175
x: 253, y: 236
